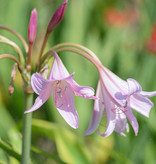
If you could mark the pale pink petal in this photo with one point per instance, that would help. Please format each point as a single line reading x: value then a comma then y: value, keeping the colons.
x: 64, y: 102
x: 118, y: 82
x: 40, y: 100
x: 133, y: 86
x: 58, y: 71
x: 110, y: 115
x: 140, y: 104
x: 82, y: 91
x: 39, y: 84
x: 132, y: 120
x: 148, y: 94
x: 110, y: 124
x: 115, y: 89
x: 121, y: 123
x: 97, y: 112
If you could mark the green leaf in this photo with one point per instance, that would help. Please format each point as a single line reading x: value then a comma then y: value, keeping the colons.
x: 6, y: 122
x: 70, y: 148
x: 9, y: 149
x: 46, y: 154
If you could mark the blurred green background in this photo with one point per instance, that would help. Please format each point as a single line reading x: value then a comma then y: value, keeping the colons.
x: 122, y: 34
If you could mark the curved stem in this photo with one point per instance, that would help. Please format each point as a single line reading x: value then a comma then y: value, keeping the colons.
x: 26, y: 129
x: 8, y: 148
x: 76, y: 46
x: 16, y: 48
x: 82, y: 53
x: 18, y: 36
x: 3, y: 56
x: 90, y: 58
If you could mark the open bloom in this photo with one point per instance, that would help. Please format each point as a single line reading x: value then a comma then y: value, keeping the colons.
x: 117, y: 97
x: 61, y: 85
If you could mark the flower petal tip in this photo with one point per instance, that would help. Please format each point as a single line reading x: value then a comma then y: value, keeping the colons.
x: 88, y: 132
x: 27, y: 111
x: 75, y: 126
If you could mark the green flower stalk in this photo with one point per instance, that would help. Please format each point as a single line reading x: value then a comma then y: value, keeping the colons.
x: 24, y: 67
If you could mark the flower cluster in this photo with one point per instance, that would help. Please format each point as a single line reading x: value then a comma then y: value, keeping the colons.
x: 114, y: 96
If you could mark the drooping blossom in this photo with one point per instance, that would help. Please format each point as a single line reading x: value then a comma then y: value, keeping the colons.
x: 117, y: 97
x: 61, y: 85
x: 32, y: 26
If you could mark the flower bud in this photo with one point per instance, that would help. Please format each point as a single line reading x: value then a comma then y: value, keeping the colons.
x: 32, y: 26
x: 13, y: 74
x: 57, y: 17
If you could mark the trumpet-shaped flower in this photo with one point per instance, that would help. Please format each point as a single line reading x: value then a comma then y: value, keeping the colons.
x: 117, y: 97
x: 61, y: 85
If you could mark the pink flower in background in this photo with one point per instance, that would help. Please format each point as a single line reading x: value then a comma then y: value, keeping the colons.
x: 117, y: 97
x: 151, y: 44
x: 120, y: 18
x: 32, y: 26
x: 61, y: 85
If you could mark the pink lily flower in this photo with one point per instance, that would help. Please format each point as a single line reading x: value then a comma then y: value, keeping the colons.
x: 61, y: 85
x: 117, y: 97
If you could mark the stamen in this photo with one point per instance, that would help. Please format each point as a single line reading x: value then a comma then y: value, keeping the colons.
x: 58, y: 81
x: 59, y: 92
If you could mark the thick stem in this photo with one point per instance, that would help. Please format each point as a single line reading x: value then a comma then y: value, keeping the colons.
x: 26, y: 131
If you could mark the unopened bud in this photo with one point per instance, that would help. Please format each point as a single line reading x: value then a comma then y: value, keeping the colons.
x: 32, y: 26
x: 57, y: 17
